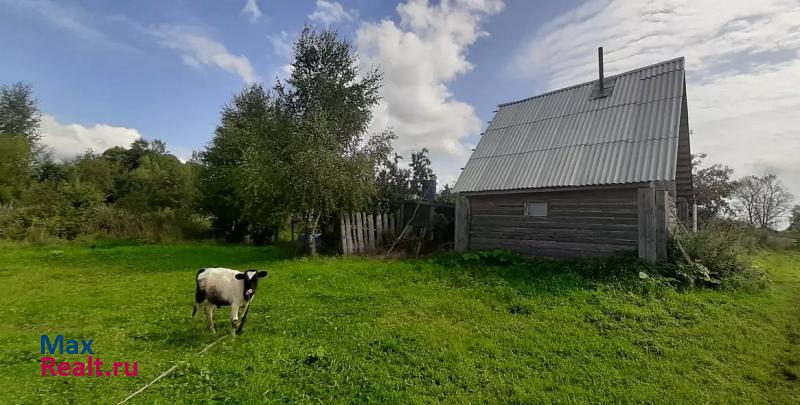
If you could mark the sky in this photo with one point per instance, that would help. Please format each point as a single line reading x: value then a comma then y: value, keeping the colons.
x: 106, y: 73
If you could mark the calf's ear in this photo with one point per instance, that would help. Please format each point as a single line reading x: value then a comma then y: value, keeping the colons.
x: 240, y: 276
x: 262, y: 274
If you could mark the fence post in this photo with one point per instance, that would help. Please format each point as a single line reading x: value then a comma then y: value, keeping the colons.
x: 379, y: 232
x: 357, y: 231
x: 371, y: 231
x: 461, y: 237
x: 343, y: 232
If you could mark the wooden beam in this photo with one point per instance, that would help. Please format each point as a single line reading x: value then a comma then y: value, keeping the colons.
x: 379, y: 230
x: 371, y: 231
x: 343, y: 231
x: 647, y: 234
x: 661, y: 223
x: 359, y: 237
x: 462, y: 224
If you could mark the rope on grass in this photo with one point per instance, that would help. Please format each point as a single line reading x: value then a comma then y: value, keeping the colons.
x: 175, y: 366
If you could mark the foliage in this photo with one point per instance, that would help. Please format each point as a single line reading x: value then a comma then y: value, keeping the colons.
x: 762, y: 201
x: 19, y: 113
x: 713, y: 187
x: 15, y: 158
x: 141, y: 192
x: 329, y: 103
x: 388, y: 331
x: 299, y: 150
x: 421, y: 173
x: 715, y: 251
x: 446, y: 195
x: 242, y: 177
x: 794, y: 220
x: 393, y: 184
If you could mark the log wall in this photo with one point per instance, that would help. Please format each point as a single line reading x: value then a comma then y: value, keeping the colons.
x: 578, y: 223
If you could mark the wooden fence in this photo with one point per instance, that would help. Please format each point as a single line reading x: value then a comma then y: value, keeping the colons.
x: 367, y: 233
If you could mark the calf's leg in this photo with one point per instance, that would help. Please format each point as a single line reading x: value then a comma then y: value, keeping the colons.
x: 210, y: 316
x: 234, y: 317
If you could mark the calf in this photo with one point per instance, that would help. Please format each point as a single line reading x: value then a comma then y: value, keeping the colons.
x: 218, y: 287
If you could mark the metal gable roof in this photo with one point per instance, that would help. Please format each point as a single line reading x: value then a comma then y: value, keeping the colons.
x: 565, y: 138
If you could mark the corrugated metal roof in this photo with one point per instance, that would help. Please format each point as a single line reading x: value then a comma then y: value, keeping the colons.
x: 565, y: 138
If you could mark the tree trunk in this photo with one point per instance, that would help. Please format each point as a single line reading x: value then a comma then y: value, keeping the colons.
x: 313, y: 221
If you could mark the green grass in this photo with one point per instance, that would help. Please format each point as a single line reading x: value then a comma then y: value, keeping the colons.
x: 364, y: 330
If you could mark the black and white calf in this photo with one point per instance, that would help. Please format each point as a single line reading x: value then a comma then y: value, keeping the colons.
x: 218, y: 287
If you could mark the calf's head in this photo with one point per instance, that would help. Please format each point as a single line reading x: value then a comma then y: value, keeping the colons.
x: 250, y: 279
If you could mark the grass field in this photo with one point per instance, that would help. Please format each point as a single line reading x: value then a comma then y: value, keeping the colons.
x: 353, y: 330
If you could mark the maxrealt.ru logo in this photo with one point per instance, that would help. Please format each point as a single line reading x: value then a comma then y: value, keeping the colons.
x: 91, y: 367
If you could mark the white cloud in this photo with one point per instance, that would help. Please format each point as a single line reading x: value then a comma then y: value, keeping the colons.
x: 251, y: 10
x: 742, y: 62
x: 419, y: 57
x: 198, y: 50
x: 282, y: 44
x: 330, y: 12
x: 65, y: 141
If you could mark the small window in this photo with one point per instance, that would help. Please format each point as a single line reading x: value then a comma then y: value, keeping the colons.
x: 536, y: 209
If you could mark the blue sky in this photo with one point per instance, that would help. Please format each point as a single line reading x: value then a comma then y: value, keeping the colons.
x: 106, y: 72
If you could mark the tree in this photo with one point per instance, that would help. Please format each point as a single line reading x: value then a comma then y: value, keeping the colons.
x: 393, y: 184
x: 762, y: 200
x: 329, y: 104
x: 243, y: 176
x: 446, y: 195
x: 421, y: 172
x: 794, y: 220
x: 19, y: 113
x: 713, y: 188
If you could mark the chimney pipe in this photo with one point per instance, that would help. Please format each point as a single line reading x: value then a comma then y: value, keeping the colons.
x: 600, y: 66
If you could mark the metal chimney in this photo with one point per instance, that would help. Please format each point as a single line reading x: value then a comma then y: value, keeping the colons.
x: 600, y: 67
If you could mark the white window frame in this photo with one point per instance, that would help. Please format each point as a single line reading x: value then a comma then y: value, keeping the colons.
x: 539, y: 203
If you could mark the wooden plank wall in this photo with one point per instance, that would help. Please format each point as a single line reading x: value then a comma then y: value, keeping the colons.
x: 579, y: 223
x: 654, y: 218
x: 363, y: 233
x: 683, y: 164
x: 462, y: 224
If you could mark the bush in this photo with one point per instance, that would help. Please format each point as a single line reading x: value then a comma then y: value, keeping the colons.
x: 44, y: 223
x: 718, y: 254
x: 157, y: 226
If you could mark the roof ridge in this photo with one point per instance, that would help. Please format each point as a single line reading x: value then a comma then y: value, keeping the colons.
x: 681, y: 58
x: 573, y: 145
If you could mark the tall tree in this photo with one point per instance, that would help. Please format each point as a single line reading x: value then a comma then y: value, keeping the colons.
x: 329, y: 103
x: 762, y: 201
x: 244, y: 174
x: 421, y: 172
x: 713, y: 187
x: 19, y: 113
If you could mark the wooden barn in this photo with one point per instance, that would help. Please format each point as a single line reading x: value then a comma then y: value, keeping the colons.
x: 586, y: 170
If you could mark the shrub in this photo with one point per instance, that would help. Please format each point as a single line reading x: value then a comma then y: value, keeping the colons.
x: 157, y: 226
x: 718, y: 254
